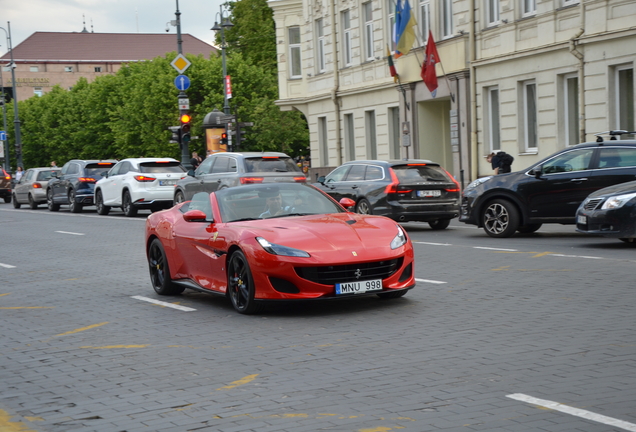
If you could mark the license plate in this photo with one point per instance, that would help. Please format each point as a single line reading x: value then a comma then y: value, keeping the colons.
x: 429, y: 193
x: 581, y: 220
x: 359, y: 287
x: 167, y: 182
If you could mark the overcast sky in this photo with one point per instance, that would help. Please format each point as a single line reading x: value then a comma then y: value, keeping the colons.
x: 106, y: 16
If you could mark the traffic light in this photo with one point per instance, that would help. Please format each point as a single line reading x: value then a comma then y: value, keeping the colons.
x: 224, y: 138
x: 176, y: 134
x: 185, y: 128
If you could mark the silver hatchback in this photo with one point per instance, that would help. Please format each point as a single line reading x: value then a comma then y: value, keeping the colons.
x: 31, y: 189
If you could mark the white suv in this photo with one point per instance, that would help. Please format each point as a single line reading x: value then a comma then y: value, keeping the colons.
x: 138, y: 183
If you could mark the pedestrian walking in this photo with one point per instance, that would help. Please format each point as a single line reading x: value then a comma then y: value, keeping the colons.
x: 18, y: 173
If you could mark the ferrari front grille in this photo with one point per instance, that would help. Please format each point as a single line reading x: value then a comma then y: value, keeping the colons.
x: 330, y: 275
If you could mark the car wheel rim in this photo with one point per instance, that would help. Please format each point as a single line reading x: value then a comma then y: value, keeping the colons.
x: 49, y: 199
x: 157, y: 268
x: 363, y: 208
x: 71, y: 200
x: 239, y: 290
x: 180, y: 198
x: 126, y: 203
x: 98, y: 202
x: 496, y: 218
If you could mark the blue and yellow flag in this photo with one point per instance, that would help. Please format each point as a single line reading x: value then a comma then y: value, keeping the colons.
x: 404, y: 31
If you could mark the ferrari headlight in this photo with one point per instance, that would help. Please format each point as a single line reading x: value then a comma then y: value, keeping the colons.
x: 276, y: 249
x: 477, y: 182
x: 617, y: 201
x: 399, y: 240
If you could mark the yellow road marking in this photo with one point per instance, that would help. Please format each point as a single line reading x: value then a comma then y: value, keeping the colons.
x: 6, y: 425
x: 82, y: 329
x: 28, y: 307
x: 242, y: 381
x: 501, y: 268
x: 541, y: 254
x: 116, y: 346
x: 378, y: 429
x: 4, y: 294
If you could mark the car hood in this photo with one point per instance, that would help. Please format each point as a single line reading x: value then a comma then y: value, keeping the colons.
x: 338, y: 237
x: 618, y: 189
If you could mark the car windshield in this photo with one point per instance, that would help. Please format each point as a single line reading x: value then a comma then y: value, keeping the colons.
x: 97, y: 169
x: 279, y: 200
x: 419, y: 173
x: 161, y: 167
x: 46, y: 175
x: 270, y: 164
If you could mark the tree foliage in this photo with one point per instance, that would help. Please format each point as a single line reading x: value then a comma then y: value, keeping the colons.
x: 128, y: 114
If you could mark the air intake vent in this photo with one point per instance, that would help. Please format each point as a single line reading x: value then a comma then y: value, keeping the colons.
x: 593, y: 203
x: 331, y: 275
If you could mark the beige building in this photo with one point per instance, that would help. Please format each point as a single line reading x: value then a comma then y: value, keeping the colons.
x: 521, y: 76
x: 46, y: 59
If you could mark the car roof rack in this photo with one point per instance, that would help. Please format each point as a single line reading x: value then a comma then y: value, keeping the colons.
x: 613, y: 134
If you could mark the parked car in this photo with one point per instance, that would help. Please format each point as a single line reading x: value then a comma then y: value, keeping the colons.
x: 31, y: 189
x: 138, y: 183
x: 305, y: 246
x: 5, y: 185
x: 223, y: 170
x: 548, y: 192
x: 75, y: 183
x: 414, y: 190
x: 610, y: 212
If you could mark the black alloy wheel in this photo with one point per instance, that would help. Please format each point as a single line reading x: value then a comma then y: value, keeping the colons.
x: 439, y: 224
x: 160, y: 271
x: 179, y: 198
x: 32, y: 203
x: 73, y: 205
x: 240, y: 285
x: 500, y: 218
x: 16, y: 204
x: 127, y: 206
x: 49, y: 201
x: 363, y: 207
x: 99, y: 204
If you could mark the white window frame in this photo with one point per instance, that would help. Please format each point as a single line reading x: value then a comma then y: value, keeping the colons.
x: 68, y: 68
x: 493, y: 106
x: 367, y: 10
x: 623, y: 96
x: 528, y: 8
x: 570, y: 2
x: 446, y: 16
x: 346, y: 38
x: 371, y: 133
x: 320, y: 46
x: 323, y: 142
x: 530, y: 116
x: 391, y: 23
x: 34, y: 69
x: 425, y: 19
x: 571, y: 109
x: 294, y: 52
x: 350, y: 136
x: 98, y: 69
x: 492, y: 12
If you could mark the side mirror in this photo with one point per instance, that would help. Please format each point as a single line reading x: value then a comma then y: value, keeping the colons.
x: 537, y: 171
x: 191, y: 173
x: 195, y: 216
x: 321, y: 179
x: 347, y: 203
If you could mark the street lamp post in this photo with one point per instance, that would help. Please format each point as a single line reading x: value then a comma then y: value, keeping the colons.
x: 16, y: 121
x: 225, y: 23
x: 3, y: 101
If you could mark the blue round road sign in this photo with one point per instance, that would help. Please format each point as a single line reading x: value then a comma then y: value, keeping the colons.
x: 182, y: 82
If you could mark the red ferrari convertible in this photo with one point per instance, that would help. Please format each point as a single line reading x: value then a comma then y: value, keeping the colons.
x: 267, y: 242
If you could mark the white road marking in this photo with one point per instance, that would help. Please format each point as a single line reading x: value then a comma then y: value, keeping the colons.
x: 434, y: 244
x: 430, y: 281
x: 174, y: 306
x: 574, y: 411
x: 495, y: 249
x: 6, y: 265
x: 68, y: 232
x: 576, y: 256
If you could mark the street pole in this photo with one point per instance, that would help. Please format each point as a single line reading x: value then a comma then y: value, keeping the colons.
x: 7, y: 166
x: 225, y: 22
x: 16, y: 122
x: 185, y: 148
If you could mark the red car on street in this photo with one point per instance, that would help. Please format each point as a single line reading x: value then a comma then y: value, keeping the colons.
x: 268, y: 242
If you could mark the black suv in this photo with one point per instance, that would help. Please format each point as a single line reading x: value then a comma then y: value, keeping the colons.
x: 414, y: 190
x: 75, y: 184
x: 225, y: 169
x: 550, y: 191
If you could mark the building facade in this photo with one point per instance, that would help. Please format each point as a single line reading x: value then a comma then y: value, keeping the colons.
x: 527, y: 77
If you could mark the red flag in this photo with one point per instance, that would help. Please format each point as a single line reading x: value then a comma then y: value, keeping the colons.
x: 428, y: 65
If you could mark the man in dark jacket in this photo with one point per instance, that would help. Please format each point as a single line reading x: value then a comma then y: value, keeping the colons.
x: 501, y: 162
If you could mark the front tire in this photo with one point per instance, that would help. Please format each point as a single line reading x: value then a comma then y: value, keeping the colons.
x: 439, y: 224
x: 127, y: 206
x: 49, y: 202
x: 99, y: 204
x: 240, y: 285
x: 73, y: 205
x: 179, y: 198
x: 16, y: 204
x: 363, y: 207
x: 32, y: 203
x: 160, y: 271
x: 500, y: 219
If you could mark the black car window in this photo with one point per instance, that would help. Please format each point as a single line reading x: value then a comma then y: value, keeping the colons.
x: 270, y: 164
x: 575, y: 160
x: 96, y: 170
x: 617, y: 157
x: 356, y: 173
x: 205, y: 167
x: 201, y: 201
x: 161, y: 167
x: 420, y: 173
x: 46, y: 175
x: 72, y: 169
x: 338, y: 174
x: 374, y: 173
x: 220, y: 165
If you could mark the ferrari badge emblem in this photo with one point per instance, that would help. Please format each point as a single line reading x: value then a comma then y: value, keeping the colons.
x: 354, y: 253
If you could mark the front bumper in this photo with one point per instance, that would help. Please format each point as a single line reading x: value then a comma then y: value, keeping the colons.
x: 616, y: 223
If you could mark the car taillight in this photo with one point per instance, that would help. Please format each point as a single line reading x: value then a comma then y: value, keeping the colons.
x: 250, y: 180
x: 394, y: 186
x: 300, y: 179
x: 87, y: 179
x: 37, y: 185
x: 457, y: 189
x: 143, y: 178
